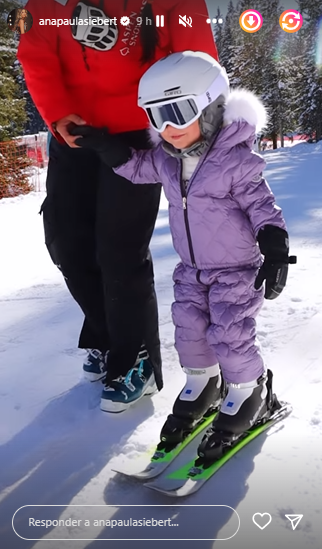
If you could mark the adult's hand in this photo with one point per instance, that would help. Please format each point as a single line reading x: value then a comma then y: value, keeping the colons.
x: 64, y: 125
x: 111, y: 148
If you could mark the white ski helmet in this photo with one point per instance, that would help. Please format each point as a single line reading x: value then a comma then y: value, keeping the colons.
x: 182, y: 88
x: 101, y: 37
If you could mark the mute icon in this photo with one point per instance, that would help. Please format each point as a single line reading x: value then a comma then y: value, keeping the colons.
x: 184, y: 20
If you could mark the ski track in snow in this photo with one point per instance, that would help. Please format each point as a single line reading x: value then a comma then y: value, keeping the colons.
x: 57, y: 447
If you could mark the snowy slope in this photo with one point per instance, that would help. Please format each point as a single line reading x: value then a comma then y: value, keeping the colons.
x: 58, y: 448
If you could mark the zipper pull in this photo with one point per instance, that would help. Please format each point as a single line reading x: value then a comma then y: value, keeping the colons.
x: 184, y: 202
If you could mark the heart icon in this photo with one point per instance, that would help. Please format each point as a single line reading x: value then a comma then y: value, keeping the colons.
x: 262, y: 520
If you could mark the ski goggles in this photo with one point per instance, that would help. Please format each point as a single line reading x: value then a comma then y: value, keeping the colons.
x: 179, y: 114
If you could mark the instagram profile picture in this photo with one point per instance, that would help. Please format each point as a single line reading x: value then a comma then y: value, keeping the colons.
x: 19, y: 20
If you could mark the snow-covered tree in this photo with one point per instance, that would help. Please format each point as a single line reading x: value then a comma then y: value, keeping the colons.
x: 290, y: 70
x: 14, y: 162
x: 310, y: 99
x: 12, y: 104
x: 271, y: 68
x: 228, y: 39
x: 218, y: 32
x: 34, y: 123
x: 266, y: 62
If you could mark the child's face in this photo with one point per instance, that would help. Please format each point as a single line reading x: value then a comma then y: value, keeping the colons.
x: 182, y: 139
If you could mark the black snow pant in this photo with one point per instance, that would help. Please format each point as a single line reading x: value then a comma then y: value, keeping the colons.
x: 98, y: 227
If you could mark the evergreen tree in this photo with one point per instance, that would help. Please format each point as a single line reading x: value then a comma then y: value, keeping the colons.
x: 218, y: 34
x: 14, y: 162
x: 283, y: 69
x: 271, y: 69
x: 290, y: 70
x: 258, y: 63
x: 35, y: 123
x: 228, y: 41
x: 251, y: 51
x: 310, y: 100
x: 12, y: 104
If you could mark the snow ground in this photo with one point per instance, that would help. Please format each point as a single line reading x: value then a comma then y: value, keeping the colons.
x: 58, y: 448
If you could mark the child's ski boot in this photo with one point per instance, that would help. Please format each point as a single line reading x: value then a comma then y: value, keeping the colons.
x: 245, y: 405
x: 202, y: 394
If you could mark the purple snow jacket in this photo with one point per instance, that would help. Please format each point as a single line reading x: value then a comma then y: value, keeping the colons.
x: 215, y: 222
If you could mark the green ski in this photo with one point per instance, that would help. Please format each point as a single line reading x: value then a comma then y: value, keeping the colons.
x: 191, y: 476
x: 164, y: 454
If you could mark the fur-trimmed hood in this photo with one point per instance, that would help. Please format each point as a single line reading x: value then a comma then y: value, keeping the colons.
x: 246, y: 106
x: 244, y: 117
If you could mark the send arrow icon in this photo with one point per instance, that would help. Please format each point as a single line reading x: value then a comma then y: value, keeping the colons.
x: 294, y: 520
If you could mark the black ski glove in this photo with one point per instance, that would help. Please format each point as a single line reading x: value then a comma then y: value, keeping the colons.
x: 273, y: 244
x: 111, y: 148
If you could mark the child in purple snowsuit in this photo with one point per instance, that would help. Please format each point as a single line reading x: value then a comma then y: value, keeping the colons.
x: 223, y: 218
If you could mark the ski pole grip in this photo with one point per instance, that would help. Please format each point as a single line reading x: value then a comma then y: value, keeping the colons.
x: 292, y: 259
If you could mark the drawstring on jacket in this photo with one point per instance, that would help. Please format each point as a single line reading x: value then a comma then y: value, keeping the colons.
x: 85, y: 57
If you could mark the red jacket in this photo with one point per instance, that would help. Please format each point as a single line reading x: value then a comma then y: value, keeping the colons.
x: 105, y: 93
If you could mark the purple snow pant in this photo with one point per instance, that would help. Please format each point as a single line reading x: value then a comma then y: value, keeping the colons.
x: 215, y: 321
